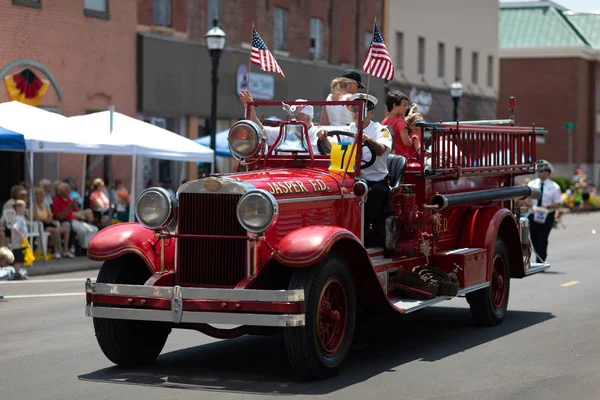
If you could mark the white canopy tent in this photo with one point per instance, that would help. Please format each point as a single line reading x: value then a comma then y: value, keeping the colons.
x: 48, y: 132
x: 146, y: 139
x: 98, y: 133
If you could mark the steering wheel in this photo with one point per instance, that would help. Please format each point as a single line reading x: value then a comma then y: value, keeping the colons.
x: 368, y: 145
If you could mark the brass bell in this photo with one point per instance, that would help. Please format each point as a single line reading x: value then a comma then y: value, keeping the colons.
x: 293, y: 138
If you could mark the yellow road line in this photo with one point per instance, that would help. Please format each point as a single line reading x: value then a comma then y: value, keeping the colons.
x: 570, y: 283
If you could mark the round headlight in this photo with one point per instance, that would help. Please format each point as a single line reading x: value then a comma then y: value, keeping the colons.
x: 257, y: 210
x: 154, y: 208
x: 245, y: 139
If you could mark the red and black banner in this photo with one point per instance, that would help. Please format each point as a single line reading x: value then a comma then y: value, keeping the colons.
x: 26, y: 87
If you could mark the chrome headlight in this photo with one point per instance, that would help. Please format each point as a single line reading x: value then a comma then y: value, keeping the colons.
x: 155, y: 208
x: 257, y: 210
x: 246, y: 139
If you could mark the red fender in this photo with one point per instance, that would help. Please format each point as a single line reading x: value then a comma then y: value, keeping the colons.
x: 482, y: 226
x: 130, y: 238
x: 309, y: 245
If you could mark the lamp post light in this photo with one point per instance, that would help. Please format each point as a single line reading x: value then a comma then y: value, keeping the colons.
x: 456, y: 91
x: 215, y: 42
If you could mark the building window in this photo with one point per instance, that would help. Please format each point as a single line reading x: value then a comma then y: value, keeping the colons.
x: 215, y: 8
x: 441, y: 59
x: 280, y: 32
x: 399, y: 50
x: 162, y: 13
x: 490, y: 71
x: 421, y: 60
x: 458, y: 63
x: 95, y: 8
x: 28, y: 3
x: 368, y: 39
x: 475, y: 67
x: 316, y: 39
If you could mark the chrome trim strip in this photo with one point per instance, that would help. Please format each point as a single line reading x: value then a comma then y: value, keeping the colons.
x: 228, y: 186
x: 373, y: 250
x: 536, y: 267
x: 287, y: 320
x: 379, y: 260
x: 405, y: 306
x: 130, y: 313
x: 245, y: 319
x: 314, y: 198
x: 473, y: 288
x: 200, y: 293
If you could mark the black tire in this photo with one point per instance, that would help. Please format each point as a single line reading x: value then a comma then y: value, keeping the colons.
x: 487, y: 309
x: 128, y: 343
x: 308, y: 355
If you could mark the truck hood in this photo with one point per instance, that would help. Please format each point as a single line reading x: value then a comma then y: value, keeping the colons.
x: 281, y: 183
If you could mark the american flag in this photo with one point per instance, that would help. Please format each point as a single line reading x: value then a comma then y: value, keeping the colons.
x: 378, y: 62
x: 262, y: 56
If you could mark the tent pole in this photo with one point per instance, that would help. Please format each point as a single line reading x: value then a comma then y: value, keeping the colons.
x: 132, y: 196
x: 32, y: 204
x: 83, y: 178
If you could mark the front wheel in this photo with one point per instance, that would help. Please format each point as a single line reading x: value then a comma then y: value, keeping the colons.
x: 128, y: 343
x: 317, y: 350
x: 489, y: 305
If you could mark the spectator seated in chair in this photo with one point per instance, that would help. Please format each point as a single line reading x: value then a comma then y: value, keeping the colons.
x: 100, y: 203
x: 56, y: 231
x: 66, y: 211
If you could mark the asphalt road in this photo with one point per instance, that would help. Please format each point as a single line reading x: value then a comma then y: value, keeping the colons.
x: 547, y: 348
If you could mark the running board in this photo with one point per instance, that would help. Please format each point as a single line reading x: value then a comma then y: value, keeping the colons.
x: 405, y: 305
x: 537, y: 267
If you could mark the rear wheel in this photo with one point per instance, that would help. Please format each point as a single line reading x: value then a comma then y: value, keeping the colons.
x: 125, y: 342
x: 317, y: 350
x: 489, y: 305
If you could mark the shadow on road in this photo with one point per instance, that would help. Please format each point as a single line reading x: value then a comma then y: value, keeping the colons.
x: 258, y: 365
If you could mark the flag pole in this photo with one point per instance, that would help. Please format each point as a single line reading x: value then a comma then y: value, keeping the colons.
x: 250, y: 59
x: 370, y: 66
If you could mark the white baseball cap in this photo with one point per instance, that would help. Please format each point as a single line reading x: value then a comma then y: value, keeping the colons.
x: 308, y: 110
x: 363, y: 96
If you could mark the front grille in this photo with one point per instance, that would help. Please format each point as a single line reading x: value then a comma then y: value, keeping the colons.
x: 209, y: 262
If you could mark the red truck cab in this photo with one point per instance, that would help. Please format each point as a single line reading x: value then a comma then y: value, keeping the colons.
x: 278, y: 246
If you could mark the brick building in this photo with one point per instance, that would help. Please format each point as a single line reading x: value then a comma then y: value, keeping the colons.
x: 550, y: 61
x: 313, y: 42
x: 87, y: 51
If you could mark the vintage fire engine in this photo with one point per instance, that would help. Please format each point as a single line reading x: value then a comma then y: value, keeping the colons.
x: 277, y: 246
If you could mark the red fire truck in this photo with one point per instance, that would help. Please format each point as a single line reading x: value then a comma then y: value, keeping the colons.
x: 277, y: 246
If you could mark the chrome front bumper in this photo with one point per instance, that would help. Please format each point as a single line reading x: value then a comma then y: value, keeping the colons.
x: 283, y: 308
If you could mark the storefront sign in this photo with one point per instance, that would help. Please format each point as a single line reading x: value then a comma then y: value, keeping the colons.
x: 262, y: 86
x: 423, y: 99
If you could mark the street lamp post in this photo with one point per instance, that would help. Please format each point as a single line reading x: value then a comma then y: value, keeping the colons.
x: 456, y: 91
x: 215, y: 42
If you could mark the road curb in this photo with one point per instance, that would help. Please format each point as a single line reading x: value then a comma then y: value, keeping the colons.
x: 54, y: 267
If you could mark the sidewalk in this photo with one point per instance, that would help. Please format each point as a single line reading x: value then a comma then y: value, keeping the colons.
x: 63, y: 265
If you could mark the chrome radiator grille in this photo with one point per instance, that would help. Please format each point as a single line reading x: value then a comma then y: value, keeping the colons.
x: 210, y: 262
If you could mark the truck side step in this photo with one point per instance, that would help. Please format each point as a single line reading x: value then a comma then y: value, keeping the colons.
x: 537, y: 267
x: 404, y: 305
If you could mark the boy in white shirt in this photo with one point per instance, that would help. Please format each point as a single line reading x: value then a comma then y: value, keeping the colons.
x: 18, y: 233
